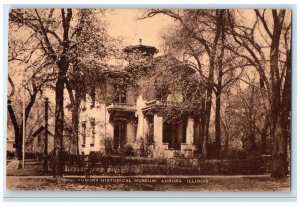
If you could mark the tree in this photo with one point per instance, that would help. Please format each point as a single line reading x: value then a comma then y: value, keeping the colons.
x: 205, y: 37
x: 23, y: 87
x: 60, y: 33
x: 200, y: 38
x: 89, y: 62
x: 273, y: 27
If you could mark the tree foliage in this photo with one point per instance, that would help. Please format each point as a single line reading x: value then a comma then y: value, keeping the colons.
x: 65, y: 38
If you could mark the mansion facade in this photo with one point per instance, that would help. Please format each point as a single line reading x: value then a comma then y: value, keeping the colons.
x: 131, y: 117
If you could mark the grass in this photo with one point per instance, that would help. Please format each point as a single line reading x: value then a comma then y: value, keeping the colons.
x: 225, y: 183
x: 31, y: 169
x: 31, y: 179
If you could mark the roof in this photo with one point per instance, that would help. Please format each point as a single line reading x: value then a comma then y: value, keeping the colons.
x: 171, y: 63
x: 143, y: 48
x: 37, y: 132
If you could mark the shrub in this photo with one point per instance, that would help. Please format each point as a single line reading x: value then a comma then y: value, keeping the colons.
x: 34, y: 155
x: 127, y: 150
x: 94, y: 158
x: 10, y: 155
x: 73, y: 159
x: 99, y: 162
x: 108, y: 143
x: 145, y: 147
x: 211, y: 150
x: 68, y: 160
x: 235, y: 154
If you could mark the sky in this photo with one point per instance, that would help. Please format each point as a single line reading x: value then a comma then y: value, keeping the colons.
x: 124, y: 23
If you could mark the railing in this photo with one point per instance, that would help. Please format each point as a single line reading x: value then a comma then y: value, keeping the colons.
x: 116, y: 165
x: 161, y: 103
x: 121, y: 106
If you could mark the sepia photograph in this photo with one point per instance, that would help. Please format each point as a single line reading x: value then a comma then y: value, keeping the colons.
x: 156, y: 99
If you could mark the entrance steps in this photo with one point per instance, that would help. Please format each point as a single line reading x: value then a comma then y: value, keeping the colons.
x: 178, y: 154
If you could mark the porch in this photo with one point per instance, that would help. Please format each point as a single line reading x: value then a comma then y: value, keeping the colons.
x: 174, y: 138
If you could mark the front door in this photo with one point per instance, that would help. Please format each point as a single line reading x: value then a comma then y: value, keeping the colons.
x: 119, y: 134
x: 170, y: 135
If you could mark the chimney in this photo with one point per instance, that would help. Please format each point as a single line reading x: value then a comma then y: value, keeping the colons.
x: 140, y: 40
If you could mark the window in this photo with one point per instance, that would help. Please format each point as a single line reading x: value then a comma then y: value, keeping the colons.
x: 83, y: 134
x: 119, y: 134
x: 93, y: 97
x: 161, y: 89
x: 93, y: 124
x: 120, y: 95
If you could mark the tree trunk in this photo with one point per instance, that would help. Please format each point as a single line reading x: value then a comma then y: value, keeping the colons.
x: 285, y: 109
x: 264, y: 134
x: 279, y: 156
x: 212, y: 58
x: 59, y: 127
x: 219, y: 88
x: 18, y: 131
x: 279, y: 147
x: 75, y: 121
x: 207, y: 110
x: 218, y: 125
x: 226, y: 144
x: 206, y: 124
x: 252, y: 119
x: 59, y: 119
x: 201, y: 126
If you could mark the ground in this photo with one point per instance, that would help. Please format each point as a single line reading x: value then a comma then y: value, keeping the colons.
x: 31, y: 179
x: 207, y: 183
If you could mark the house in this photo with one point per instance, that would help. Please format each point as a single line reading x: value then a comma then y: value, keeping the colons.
x: 10, y: 145
x: 133, y: 115
x: 38, y: 143
x: 10, y: 140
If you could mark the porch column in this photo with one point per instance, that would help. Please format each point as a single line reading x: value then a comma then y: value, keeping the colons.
x: 190, y: 131
x: 145, y: 126
x: 158, y: 129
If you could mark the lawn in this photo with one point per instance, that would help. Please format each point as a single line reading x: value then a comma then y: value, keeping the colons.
x: 31, y: 179
x: 208, y: 183
x: 31, y: 168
